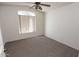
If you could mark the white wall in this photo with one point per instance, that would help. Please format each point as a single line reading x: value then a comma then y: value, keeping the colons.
x: 1, y: 44
x: 10, y: 23
x: 62, y: 24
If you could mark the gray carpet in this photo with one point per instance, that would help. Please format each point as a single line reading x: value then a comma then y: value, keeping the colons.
x: 40, y: 46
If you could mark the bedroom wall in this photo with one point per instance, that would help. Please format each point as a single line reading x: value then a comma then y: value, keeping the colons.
x: 10, y: 23
x: 62, y: 25
x: 2, y: 54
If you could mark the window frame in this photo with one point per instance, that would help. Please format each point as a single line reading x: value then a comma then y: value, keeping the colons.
x: 20, y: 30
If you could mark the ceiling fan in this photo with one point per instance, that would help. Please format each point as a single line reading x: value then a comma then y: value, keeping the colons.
x: 37, y: 5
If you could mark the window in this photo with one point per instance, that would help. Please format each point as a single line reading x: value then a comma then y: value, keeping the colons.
x: 27, y: 22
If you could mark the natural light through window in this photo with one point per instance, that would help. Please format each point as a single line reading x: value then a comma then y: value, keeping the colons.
x: 27, y: 22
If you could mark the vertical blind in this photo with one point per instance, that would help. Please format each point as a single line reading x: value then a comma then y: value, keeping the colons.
x: 27, y: 24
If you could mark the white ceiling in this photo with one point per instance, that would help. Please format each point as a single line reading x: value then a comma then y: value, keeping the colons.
x: 54, y: 5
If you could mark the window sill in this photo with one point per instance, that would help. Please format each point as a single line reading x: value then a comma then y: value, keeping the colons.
x: 26, y: 32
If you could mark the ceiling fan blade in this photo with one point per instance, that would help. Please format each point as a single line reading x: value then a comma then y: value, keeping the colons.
x: 33, y: 6
x: 45, y: 5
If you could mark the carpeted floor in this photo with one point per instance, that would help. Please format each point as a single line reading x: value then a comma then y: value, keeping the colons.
x: 39, y: 46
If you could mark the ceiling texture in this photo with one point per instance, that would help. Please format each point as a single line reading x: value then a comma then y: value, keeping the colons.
x: 54, y: 5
